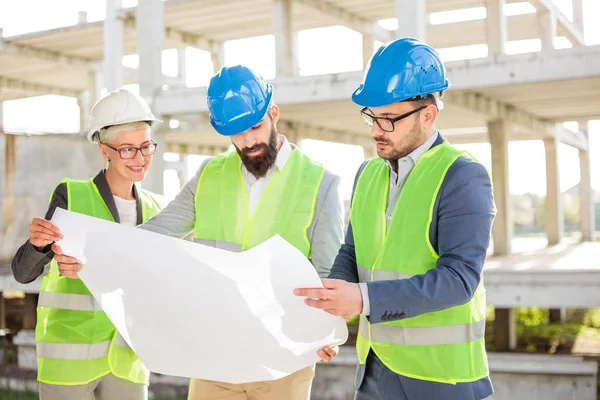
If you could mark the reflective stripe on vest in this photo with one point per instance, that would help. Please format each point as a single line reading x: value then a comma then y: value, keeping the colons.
x: 73, y: 334
x: 234, y: 247
x: 443, y: 346
x: 65, y: 301
x: 285, y: 208
x: 364, y: 275
x: 64, y: 351
x: 120, y: 342
x: 429, y: 336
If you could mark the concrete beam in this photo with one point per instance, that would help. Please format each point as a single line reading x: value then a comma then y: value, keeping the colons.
x: 188, y: 142
x: 578, y: 139
x: 172, y: 34
x: 586, y: 196
x: 467, y: 33
x: 308, y: 131
x: 113, y: 42
x: 495, y: 110
x: 348, y: 18
x: 286, y: 40
x: 204, y: 135
x: 573, y: 33
x: 131, y: 75
x: 150, y: 44
x: 496, y: 27
x: 35, y: 53
x: 412, y: 19
x: 35, y: 89
x: 573, y: 63
x: 548, y: 289
x: 554, y: 204
x: 502, y: 229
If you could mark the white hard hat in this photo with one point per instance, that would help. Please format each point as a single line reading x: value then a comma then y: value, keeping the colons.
x: 116, y: 108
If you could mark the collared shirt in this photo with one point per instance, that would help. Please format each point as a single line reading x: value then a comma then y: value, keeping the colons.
x: 256, y: 187
x: 397, y: 181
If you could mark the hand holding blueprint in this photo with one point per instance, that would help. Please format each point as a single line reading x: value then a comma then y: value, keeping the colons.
x: 196, y: 311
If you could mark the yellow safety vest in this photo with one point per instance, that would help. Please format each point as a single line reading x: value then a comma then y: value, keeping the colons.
x: 76, y: 341
x: 286, y: 207
x: 444, y: 346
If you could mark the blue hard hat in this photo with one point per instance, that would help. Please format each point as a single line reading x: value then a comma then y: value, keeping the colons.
x: 400, y: 70
x: 238, y: 98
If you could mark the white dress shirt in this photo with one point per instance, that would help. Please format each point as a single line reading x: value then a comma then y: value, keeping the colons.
x: 256, y: 187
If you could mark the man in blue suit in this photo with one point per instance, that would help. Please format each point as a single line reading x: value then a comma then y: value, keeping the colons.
x: 412, y: 260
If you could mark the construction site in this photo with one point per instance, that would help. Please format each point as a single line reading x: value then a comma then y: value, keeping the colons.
x: 547, y: 91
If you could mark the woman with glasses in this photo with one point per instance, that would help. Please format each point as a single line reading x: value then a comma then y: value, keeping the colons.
x: 80, y: 354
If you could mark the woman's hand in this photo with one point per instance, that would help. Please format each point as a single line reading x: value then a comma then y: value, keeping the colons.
x: 67, y: 266
x: 42, y: 233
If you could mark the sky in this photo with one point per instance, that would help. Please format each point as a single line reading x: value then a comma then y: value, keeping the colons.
x: 321, y: 51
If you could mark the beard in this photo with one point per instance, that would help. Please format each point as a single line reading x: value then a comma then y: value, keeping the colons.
x: 400, y: 150
x: 259, y: 165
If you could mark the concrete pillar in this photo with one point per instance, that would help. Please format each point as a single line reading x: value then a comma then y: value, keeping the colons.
x: 113, y: 37
x: 578, y: 15
x: 182, y: 65
x: 547, y: 26
x: 83, y: 101
x: 370, y: 151
x: 557, y: 315
x: 586, y: 196
x: 2, y: 171
x: 554, y: 205
x: 286, y: 46
x: 412, y: 19
x: 505, y: 330
x: 368, y: 43
x: 82, y: 17
x: 183, y: 169
x: 149, y: 16
x: 495, y: 26
x: 10, y: 166
x: 502, y: 230
x: 217, y: 56
x: 2, y: 311
x: 29, y: 312
x: 95, y: 81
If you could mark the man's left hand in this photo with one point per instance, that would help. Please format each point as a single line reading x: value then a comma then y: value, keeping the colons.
x: 338, y: 297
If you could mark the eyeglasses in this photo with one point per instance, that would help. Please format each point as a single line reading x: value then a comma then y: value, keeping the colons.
x: 127, y: 153
x: 386, y: 124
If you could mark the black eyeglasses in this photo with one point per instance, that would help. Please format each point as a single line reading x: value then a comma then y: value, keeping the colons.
x: 127, y: 153
x: 386, y: 124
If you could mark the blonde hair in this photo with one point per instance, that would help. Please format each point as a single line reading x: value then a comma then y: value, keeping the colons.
x: 109, y: 134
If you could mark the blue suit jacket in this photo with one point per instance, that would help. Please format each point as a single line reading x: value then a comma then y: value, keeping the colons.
x: 460, y: 232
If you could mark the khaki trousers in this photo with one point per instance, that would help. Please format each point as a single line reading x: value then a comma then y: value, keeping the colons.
x: 293, y: 387
x: 109, y: 387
